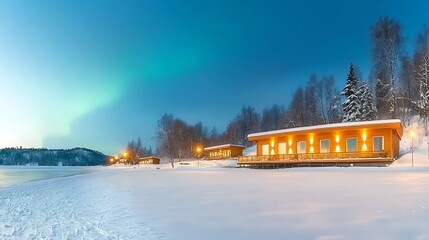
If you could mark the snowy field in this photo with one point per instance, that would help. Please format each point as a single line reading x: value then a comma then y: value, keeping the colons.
x: 215, y: 200
x: 221, y: 203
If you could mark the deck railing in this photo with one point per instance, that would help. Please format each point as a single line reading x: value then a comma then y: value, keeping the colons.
x: 315, y: 156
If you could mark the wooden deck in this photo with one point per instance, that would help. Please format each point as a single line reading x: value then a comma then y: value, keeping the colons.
x: 320, y: 159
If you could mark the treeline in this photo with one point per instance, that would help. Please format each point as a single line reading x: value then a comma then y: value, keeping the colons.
x: 47, y: 157
x: 400, y: 79
x: 397, y: 87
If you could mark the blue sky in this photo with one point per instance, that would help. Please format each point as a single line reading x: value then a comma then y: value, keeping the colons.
x: 99, y: 73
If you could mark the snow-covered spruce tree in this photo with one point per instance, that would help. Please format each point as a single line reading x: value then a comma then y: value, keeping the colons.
x: 367, y: 108
x: 351, y: 106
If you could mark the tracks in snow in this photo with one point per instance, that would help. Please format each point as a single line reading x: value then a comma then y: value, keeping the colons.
x: 76, y: 207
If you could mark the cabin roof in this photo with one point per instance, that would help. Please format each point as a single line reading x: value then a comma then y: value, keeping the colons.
x: 391, y: 123
x: 223, y: 146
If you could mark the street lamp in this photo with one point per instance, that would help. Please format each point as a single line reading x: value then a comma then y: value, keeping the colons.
x: 412, y: 133
x: 125, y: 156
x: 198, y: 155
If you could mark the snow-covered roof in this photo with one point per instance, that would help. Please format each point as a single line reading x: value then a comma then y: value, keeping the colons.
x: 223, y: 146
x: 325, y: 126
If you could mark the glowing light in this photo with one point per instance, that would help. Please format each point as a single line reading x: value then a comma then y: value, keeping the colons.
x: 116, y: 157
x: 364, y: 148
x: 290, y: 151
x: 125, y: 154
x: 290, y: 142
x: 337, y: 138
x: 272, y: 143
x: 198, y: 149
x: 337, y: 148
x: 311, y: 141
x: 111, y: 160
x: 311, y: 149
x: 412, y: 133
x: 272, y: 152
x: 364, y: 137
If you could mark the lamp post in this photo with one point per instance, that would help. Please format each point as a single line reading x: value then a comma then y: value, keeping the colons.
x: 125, y: 156
x: 412, y: 148
x: 198, y: 156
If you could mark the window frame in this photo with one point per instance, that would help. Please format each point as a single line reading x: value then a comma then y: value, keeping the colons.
x: 382, y: 143
x: 268, y: 149
x: 285, y: 148
x: 329, y: 145
x: 298, y: 147
x: 357, y: 145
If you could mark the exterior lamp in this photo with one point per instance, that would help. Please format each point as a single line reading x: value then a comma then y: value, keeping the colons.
x: 125, y: 154
x: 290, y: 147
x: 337, y: 139
x: 364, y: 147
x: 272, y: 148
x: 198, y: 155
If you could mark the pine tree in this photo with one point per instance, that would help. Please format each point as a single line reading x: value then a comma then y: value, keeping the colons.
x: 351, y: 106
x: 368, y: 111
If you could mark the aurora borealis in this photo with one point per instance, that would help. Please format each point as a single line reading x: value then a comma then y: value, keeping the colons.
x: 97, y: 74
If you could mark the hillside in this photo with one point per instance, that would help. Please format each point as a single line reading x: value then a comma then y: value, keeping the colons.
x: 420, y: 155
x: 52, y: 157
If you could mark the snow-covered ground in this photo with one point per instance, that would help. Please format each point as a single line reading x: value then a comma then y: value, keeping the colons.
x: 221, y: 203
x: 214, y: 200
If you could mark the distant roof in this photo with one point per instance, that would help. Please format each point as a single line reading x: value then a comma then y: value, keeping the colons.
x: 223, y: 146
x: 327, y: 126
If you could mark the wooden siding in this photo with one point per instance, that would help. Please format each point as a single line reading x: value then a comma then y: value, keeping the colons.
x: 235, y: 152
x: 149, y: 160
x: 363, y: 136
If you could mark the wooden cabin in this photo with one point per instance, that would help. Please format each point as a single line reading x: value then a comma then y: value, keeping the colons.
x: 223, y: 151
x: 149, y: 160
x: 358, y: 143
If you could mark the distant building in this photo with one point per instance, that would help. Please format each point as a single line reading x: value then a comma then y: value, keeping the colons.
x: 223, y: 151
x: 149, y: 160
x: 361, y: 143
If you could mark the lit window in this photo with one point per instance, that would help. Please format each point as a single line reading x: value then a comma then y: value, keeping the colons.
x: 324, y: 146
x: 301, y: 147
x: 378, y: 144
x: 265, y: 149
x: 282, y: 148
x: 351, y: 145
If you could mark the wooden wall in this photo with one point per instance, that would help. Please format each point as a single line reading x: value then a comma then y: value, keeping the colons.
x: 391, y: 140
x: 235, y: 152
